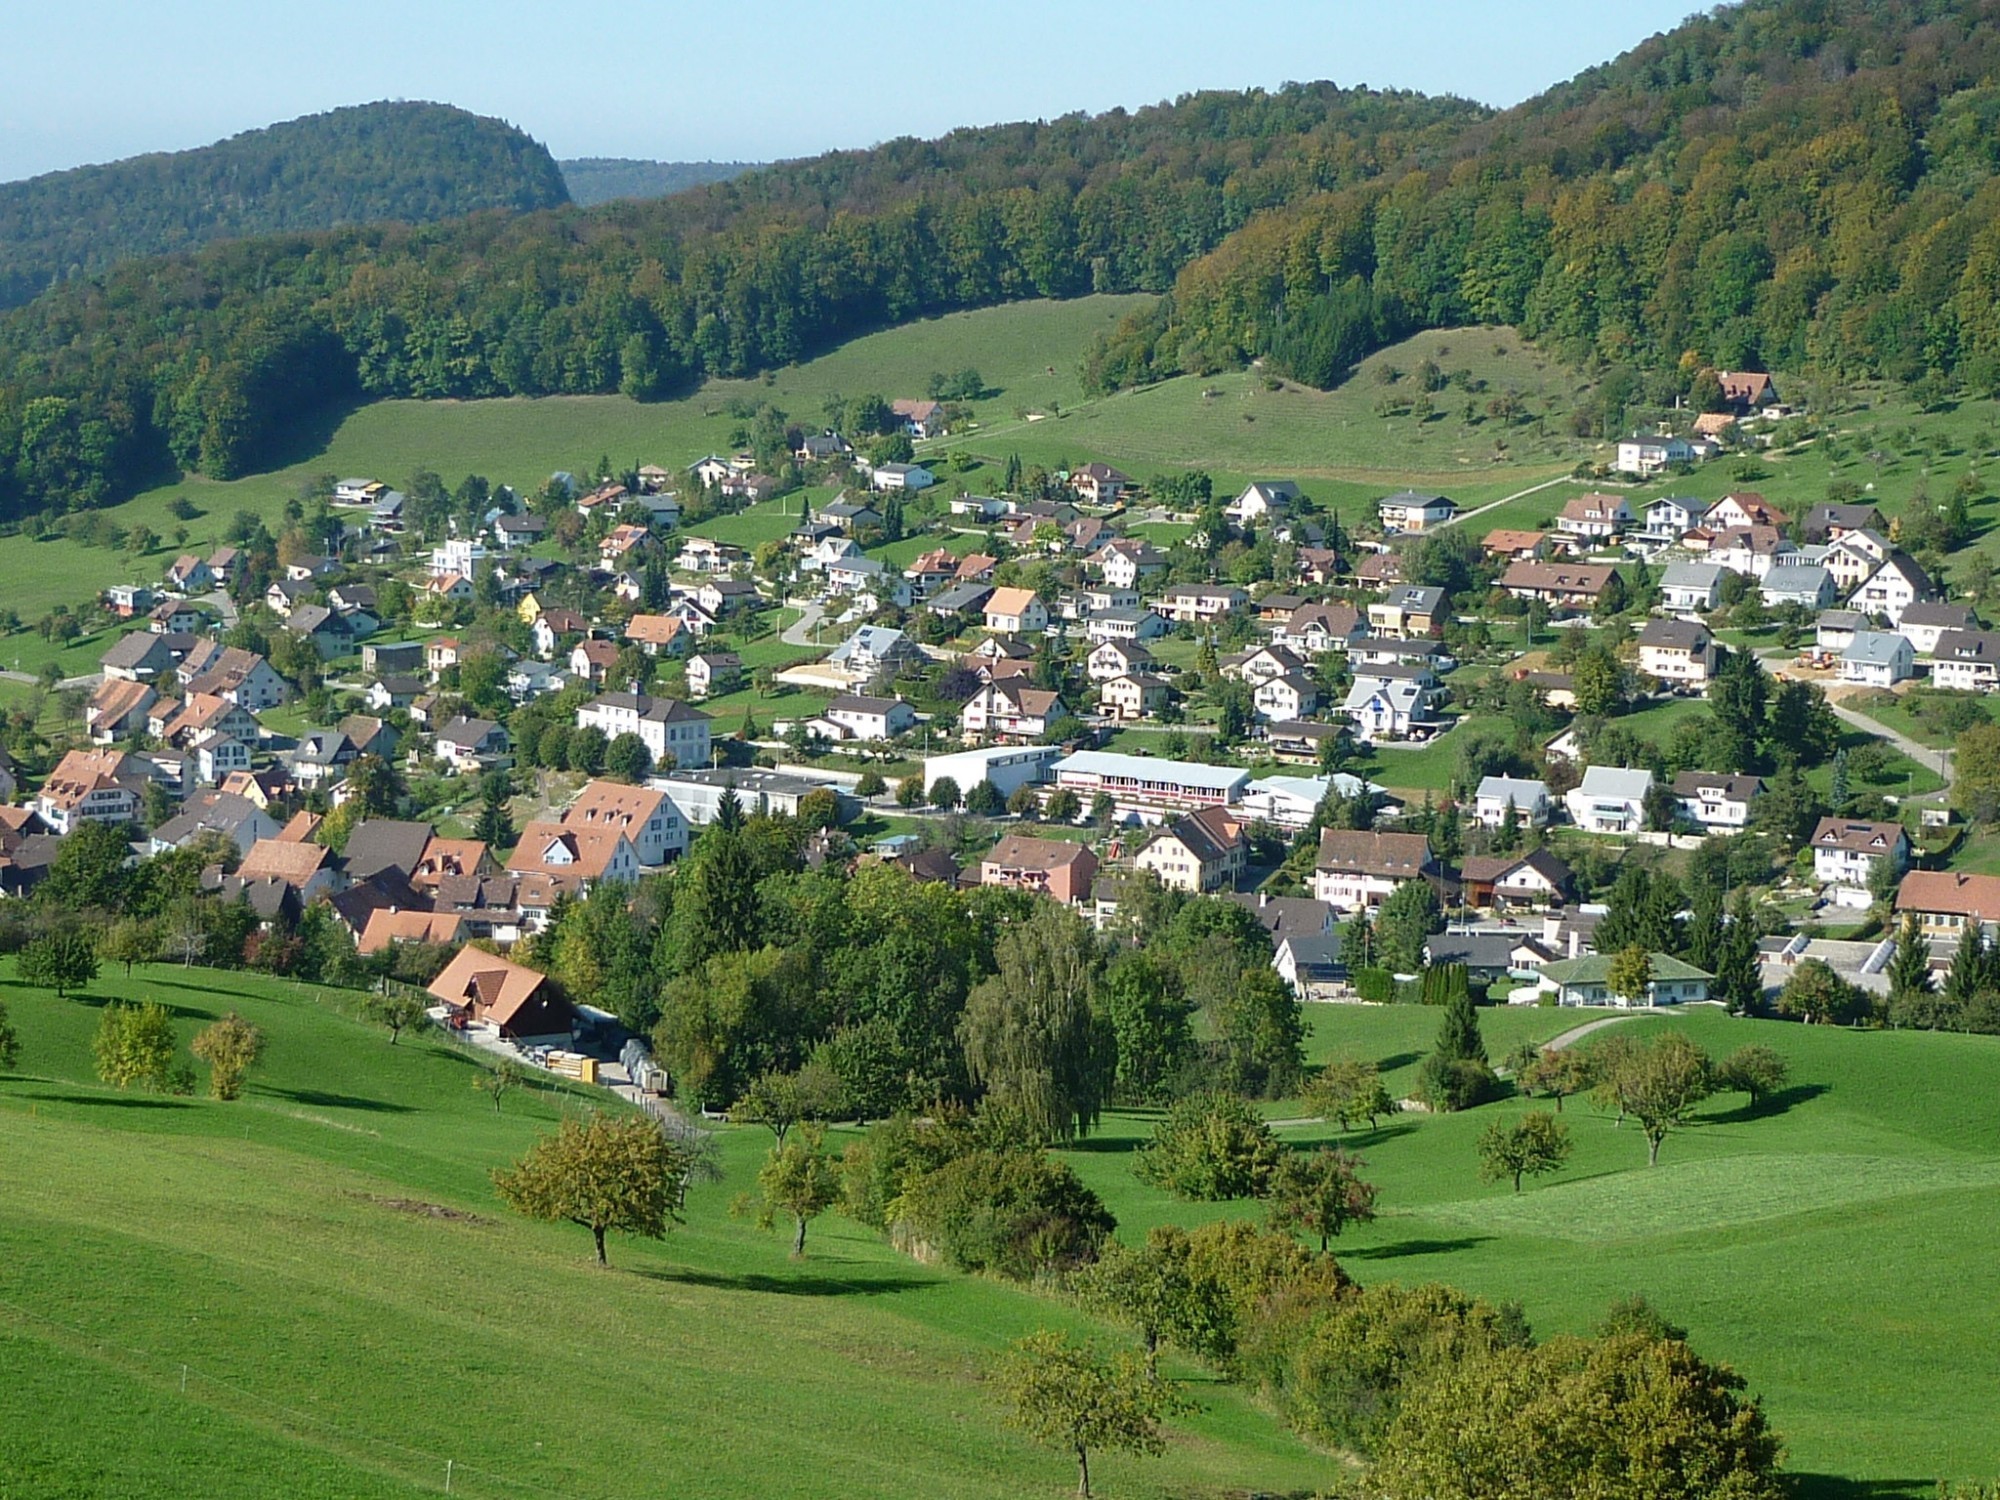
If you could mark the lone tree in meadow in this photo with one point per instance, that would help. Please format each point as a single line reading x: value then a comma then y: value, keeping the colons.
x: 1534, y: 1144
x: 1555, y: 1072
x: 398, y: 1010
x: 61, y: 961
x: 800, y: 1180
x: 602, y: 1173
x: 135, y: 1045
x: 230, y: 1047
x: 1072, y: 1398
x: 505, y: 1076
x: 1320, y: 1194
x: 1347, y: 1088
x: 1754, y: 1070
x: 1660, y: 1086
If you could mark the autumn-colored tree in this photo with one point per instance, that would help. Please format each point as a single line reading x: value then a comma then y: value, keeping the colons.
x: 1534, y: 1144
x: 230, y: 1047
x: 1320, y: 1194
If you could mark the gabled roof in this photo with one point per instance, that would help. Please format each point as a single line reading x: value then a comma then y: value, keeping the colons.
x: 1010, y: 601
x: 1733, y: 785
x: 378, y: 844
x: 497, y: 987
x: 1020, y: 851
x: 1857, y: 836
x: 1616, y: 783
x: 1366, y: 852
x: 567, y: 851
x: 1674, y: 635
x: 386, y: 927
x: 1523, y: 792
x: 1950, y: 893
x: 1480, y: 868
x: 292, y: 864
x: 1875, y: 648
x: 1595, y: 968
x: 1587, y: 579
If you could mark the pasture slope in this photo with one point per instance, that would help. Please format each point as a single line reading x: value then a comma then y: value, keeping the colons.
x: 353, y: 1307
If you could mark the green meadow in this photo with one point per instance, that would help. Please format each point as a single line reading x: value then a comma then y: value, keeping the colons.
x: 314, y: 1291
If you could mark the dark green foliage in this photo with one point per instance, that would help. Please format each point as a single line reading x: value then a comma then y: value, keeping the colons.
x: 1020, y: 1214
x: 410, y: 162
x: 1210, y: 1147
x: 1337, y: 1370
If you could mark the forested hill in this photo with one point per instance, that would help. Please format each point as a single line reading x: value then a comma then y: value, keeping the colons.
x: 1797, y: 184
x: 600, y: 179
x: 410, y: 162
x: 1805, y: 183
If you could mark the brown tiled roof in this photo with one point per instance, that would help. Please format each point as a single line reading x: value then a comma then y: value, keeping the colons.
x: 386, y: 927
x: 496, y: 987
x: 274, y: 859
x: 1392, y: 855
x: 1018, y: 851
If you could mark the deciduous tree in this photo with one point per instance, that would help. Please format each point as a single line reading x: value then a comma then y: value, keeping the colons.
x: 135, y: 1045
x: 230, y: 1047
x: 602, y: 1173
x: 62, y: 960
x: 1068, y: 1396
x: 1032, y: 1039
x: 1534, y: 1144
x: 396, y: 1009
x: 1754, y: 1070
x: 1661, y: 1085
x: 800, y: 1180
x: 1210, y: 1147
x: 1320, y: 1193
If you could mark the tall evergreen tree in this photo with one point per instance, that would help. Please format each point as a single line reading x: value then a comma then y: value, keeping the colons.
x: 1970, y: 963
x: 1738, y: 982
x: 1910, y: 968
x: 1459, y: 1038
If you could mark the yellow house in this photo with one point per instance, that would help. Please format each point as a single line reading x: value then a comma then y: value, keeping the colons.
x: 530, y: 610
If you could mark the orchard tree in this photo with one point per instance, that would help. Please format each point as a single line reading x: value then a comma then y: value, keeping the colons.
x: 1154, y: 1290
x: 135, y: 1045
x: 397, y: 1009
x: 501, y: 1079
x: 602, y: 1173
x: 1555, y: 1072
x: 1210, y: 1147
x: 1320, y: 1194
x: 1534, y: 1144
x: 1754, y: 1070
x: 799, y: 1180
x: 230, y: 1047
x: 1068, y: 1396
x: 1661, y: 1084
x: 1347, y: 1088
x: 63, y: 960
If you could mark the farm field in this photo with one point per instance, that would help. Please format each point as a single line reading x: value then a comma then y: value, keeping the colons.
x: 284, y: 1249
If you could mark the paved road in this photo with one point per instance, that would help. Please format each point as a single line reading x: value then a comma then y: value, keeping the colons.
x: 1931, y: 760
x: 801, y: 633
x: 89, y: 679
x: 1533, y: 489
x: 1577, y: 1033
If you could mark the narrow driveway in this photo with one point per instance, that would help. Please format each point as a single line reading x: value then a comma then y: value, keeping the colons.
x: 1931, y: 760
x: 800, y: 632
x: 1533, y: 489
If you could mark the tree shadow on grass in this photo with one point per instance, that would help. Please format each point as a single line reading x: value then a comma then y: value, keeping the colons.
x: 178, y: 1012
x: 1397, y: 1060
x: 320, y: 1099
x: 1771, y: 1105
x: 1358, y: 1140
x: 1833, y: 1487
x: 1412, y: 1247
x: 112, y: 1101
x: 805, y: 1284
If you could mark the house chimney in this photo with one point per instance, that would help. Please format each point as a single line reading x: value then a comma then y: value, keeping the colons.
x: 1263, y: 899
x: 1575, y: 942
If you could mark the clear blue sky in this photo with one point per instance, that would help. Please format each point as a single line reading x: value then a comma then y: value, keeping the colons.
x: 92, y: 80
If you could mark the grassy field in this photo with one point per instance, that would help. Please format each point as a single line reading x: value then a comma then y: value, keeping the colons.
x: 340, y: 1339
x: 1830, y: 1248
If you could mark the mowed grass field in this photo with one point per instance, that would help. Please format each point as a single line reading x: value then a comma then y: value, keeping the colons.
x: 1832, y: 1247
x: 341, y: 1337
x: 341, y: 1340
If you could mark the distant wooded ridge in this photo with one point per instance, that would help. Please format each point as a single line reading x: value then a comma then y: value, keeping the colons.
x: 415, y: 163
x: 600, y: 179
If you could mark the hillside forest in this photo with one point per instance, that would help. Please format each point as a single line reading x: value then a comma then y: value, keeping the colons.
x: 1805, y: 184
